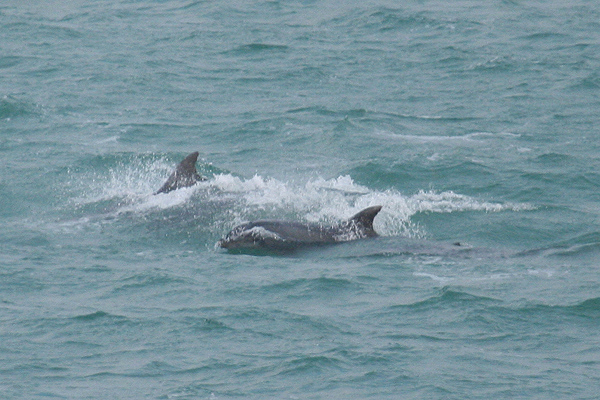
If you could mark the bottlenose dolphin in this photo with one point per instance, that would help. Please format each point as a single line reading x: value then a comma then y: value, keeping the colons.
x: 284, y: 235
x: 185, y: 175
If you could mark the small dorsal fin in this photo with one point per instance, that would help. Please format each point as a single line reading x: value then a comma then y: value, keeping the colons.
x: 185, y: 175
x: 365, y: 219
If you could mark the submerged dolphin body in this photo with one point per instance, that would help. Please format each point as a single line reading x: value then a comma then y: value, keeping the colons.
x: 185, y: 175
x: 283, y: 235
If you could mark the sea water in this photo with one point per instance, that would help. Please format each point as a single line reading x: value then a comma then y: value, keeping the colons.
x: 470, y: 122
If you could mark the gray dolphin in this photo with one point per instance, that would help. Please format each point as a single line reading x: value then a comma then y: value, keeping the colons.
x: 284, y: 235
x: 185, y: 175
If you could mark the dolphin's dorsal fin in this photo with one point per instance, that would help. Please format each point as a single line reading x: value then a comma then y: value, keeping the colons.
x: 364, y: 219
x: 185, y: 175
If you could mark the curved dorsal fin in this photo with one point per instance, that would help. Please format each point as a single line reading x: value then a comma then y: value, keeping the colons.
x: 364, y: 219
x: 185, y: 175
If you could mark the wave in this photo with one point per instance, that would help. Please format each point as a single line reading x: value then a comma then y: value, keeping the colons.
x: 11, y: 107
x: 450, y: 297
x: 259, y: 47
x: 585, y: 311
x: 98, y: 316
x: 585, y: 245
x: 391, y: 20
x: 489, y: 310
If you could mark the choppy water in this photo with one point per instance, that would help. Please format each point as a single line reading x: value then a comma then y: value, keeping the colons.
x: 473, y: 122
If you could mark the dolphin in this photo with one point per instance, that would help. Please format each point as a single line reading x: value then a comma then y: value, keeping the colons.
x: 284, y: 235
x: 185, y: 175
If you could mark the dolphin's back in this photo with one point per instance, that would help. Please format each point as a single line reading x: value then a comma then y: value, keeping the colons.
x: 273, y: 234
x: 296, y: 231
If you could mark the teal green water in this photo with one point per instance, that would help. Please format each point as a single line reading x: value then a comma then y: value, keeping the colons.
x: 468, y: 122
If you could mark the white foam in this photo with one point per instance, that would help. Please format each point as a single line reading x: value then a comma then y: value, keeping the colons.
x: 134, y: 180
x: 473, y: 138
x: 447, y: 202
x: 434, y: 277
x: 334, y: 200
x: 161, y: 201
x: 130, y: 186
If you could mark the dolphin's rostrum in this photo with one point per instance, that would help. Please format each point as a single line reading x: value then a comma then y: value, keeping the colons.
x: 284, y: 235
x: 185, y: 175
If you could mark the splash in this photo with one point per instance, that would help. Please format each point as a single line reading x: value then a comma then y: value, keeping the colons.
x: 330, y: 201
x: 125, y: 185
x: 128, y: 188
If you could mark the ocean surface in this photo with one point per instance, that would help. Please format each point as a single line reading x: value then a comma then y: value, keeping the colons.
x: 468, y: 121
